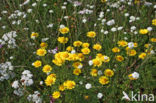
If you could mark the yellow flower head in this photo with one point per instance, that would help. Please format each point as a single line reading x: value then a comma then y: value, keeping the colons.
x: 97, y: 62
x: 105, y: 59
x: 85, y: 50
x: 56, y: 94
x: 103, y: 80
x: 122, y: 43
x: 69, y: 84
x: 94, y: 72
x: 103, y: 1
x: 131, y: 52
x: 85, y: 45
x: 153, y: 39
x: 142, y: 55
x: 34, y: 35
x: 64, y: 30
x: 91, y: 34
x: 76, y: 71
x: 62, y: 40
x: 69, y: 48
x: 116, y: 50
x: 119, y: 58
x: 97, y: 47
x: 43, y: 45
x: 41, y: 52
x: 50, y: 81
x: 77, y: 43
x: 61, y: 88
x: 37, y: 63
x: 47, y: 69
x: 109, y: 72
x: 154, y: 22
x: 143, y: 31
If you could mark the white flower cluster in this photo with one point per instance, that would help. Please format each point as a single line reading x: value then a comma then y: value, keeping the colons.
x: 35, y: 98
x: 9, y: 39
x: 6, y: 71
x: 26, y: 78
x: 18, y: 90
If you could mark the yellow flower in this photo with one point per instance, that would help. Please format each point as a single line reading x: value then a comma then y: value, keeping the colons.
x: 52, y: 75
x: 58, y: 61
x: 109, y: 72
x: 85, y: 45
x: 37, y: 63
x: 61, y: 88
x: 43, y: 45
x: 142, y: 55
x: 103, y: 1
x: 97, y: 47
x: 76, y: 64
x: 80, y: 56
x: 135, y: 44
x: 143, y: 31
x: 136, y: 1
x: 85, y: 50
x: 64, y: 30
x: 103, y: 80
x: 34, y: 35
x: 115, y: 50
x: 122, y: 43
x: 91, y: 34
x: 153, y: 39
x: 154, y: 22
x: 77, y: 43
x: 56, y: 94
x: 47, y: 69
x: 93, y: 72
x: 131, y: 52
x: 50, y: 80
x: 69, y: 48
x: 97, y: 62
x: 41, y: 52
x: 69, y: 84
x: 62, y: 40
x: 131, y: 77
x: 105, y: 59
x: 119, y: 58
x: 147, y: 45
x: 77, y: 71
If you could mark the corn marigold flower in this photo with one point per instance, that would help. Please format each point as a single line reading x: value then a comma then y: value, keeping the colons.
x: 94, y: 72
x: 76, y: 71
x: 109, y: 72
x: 143, y: 31
x: 103, y: 80
x: 97, y: 47
x: 43, y: 45
x: 62, y: 40
x: 85, y: 45
x: 64, y: 30
x: 154, y: 22
x: 97, y: 62
x: 105, y: 59
x: 131, y: 52
x: 103, y: 1
x: 85, y: 50
x: 119, y: 58
x: 122, y: 43
x: 37, y: 63
x: 47, y: 69
x: 153, y: 39
x: 135, y: 44
x: 69, y: 84
x: 69, y: 48
x: 50, y: 80
x: 34, y: 35
x: 41, y: 52
x: 58, y: 61
x: 147, y: 45
x: 91, y: 34
x: 61, y: 88
x: 77, y: 43
x: 116, y: 50
x: 142, y: 55
x: 56, y: 94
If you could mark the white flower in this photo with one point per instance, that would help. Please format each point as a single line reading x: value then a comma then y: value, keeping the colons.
x: 51, y: 11
x: 126, y: 14
x: 130, y: 45
x: 99, y: 72
x: 29, y: 10
x: 149, y: 28
x: 120, y: 28
x: 99, y: 95
x: 44, y: 5
x: 84, y: 20
x: 41, y: 82
x: 135, y: 75
x: 63, y: 7
x: 80, y: 82
x: 113, y: 29
x: 15, y: 84
x: 80, y: 66
x: 73, y: 51
x: 88, y: 86
x: 106, y: 32
x: 34, y: 4
x: 90, y: 62
x: 111, y: 22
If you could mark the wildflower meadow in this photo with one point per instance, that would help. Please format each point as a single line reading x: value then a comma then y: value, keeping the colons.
x: 77, y: 51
